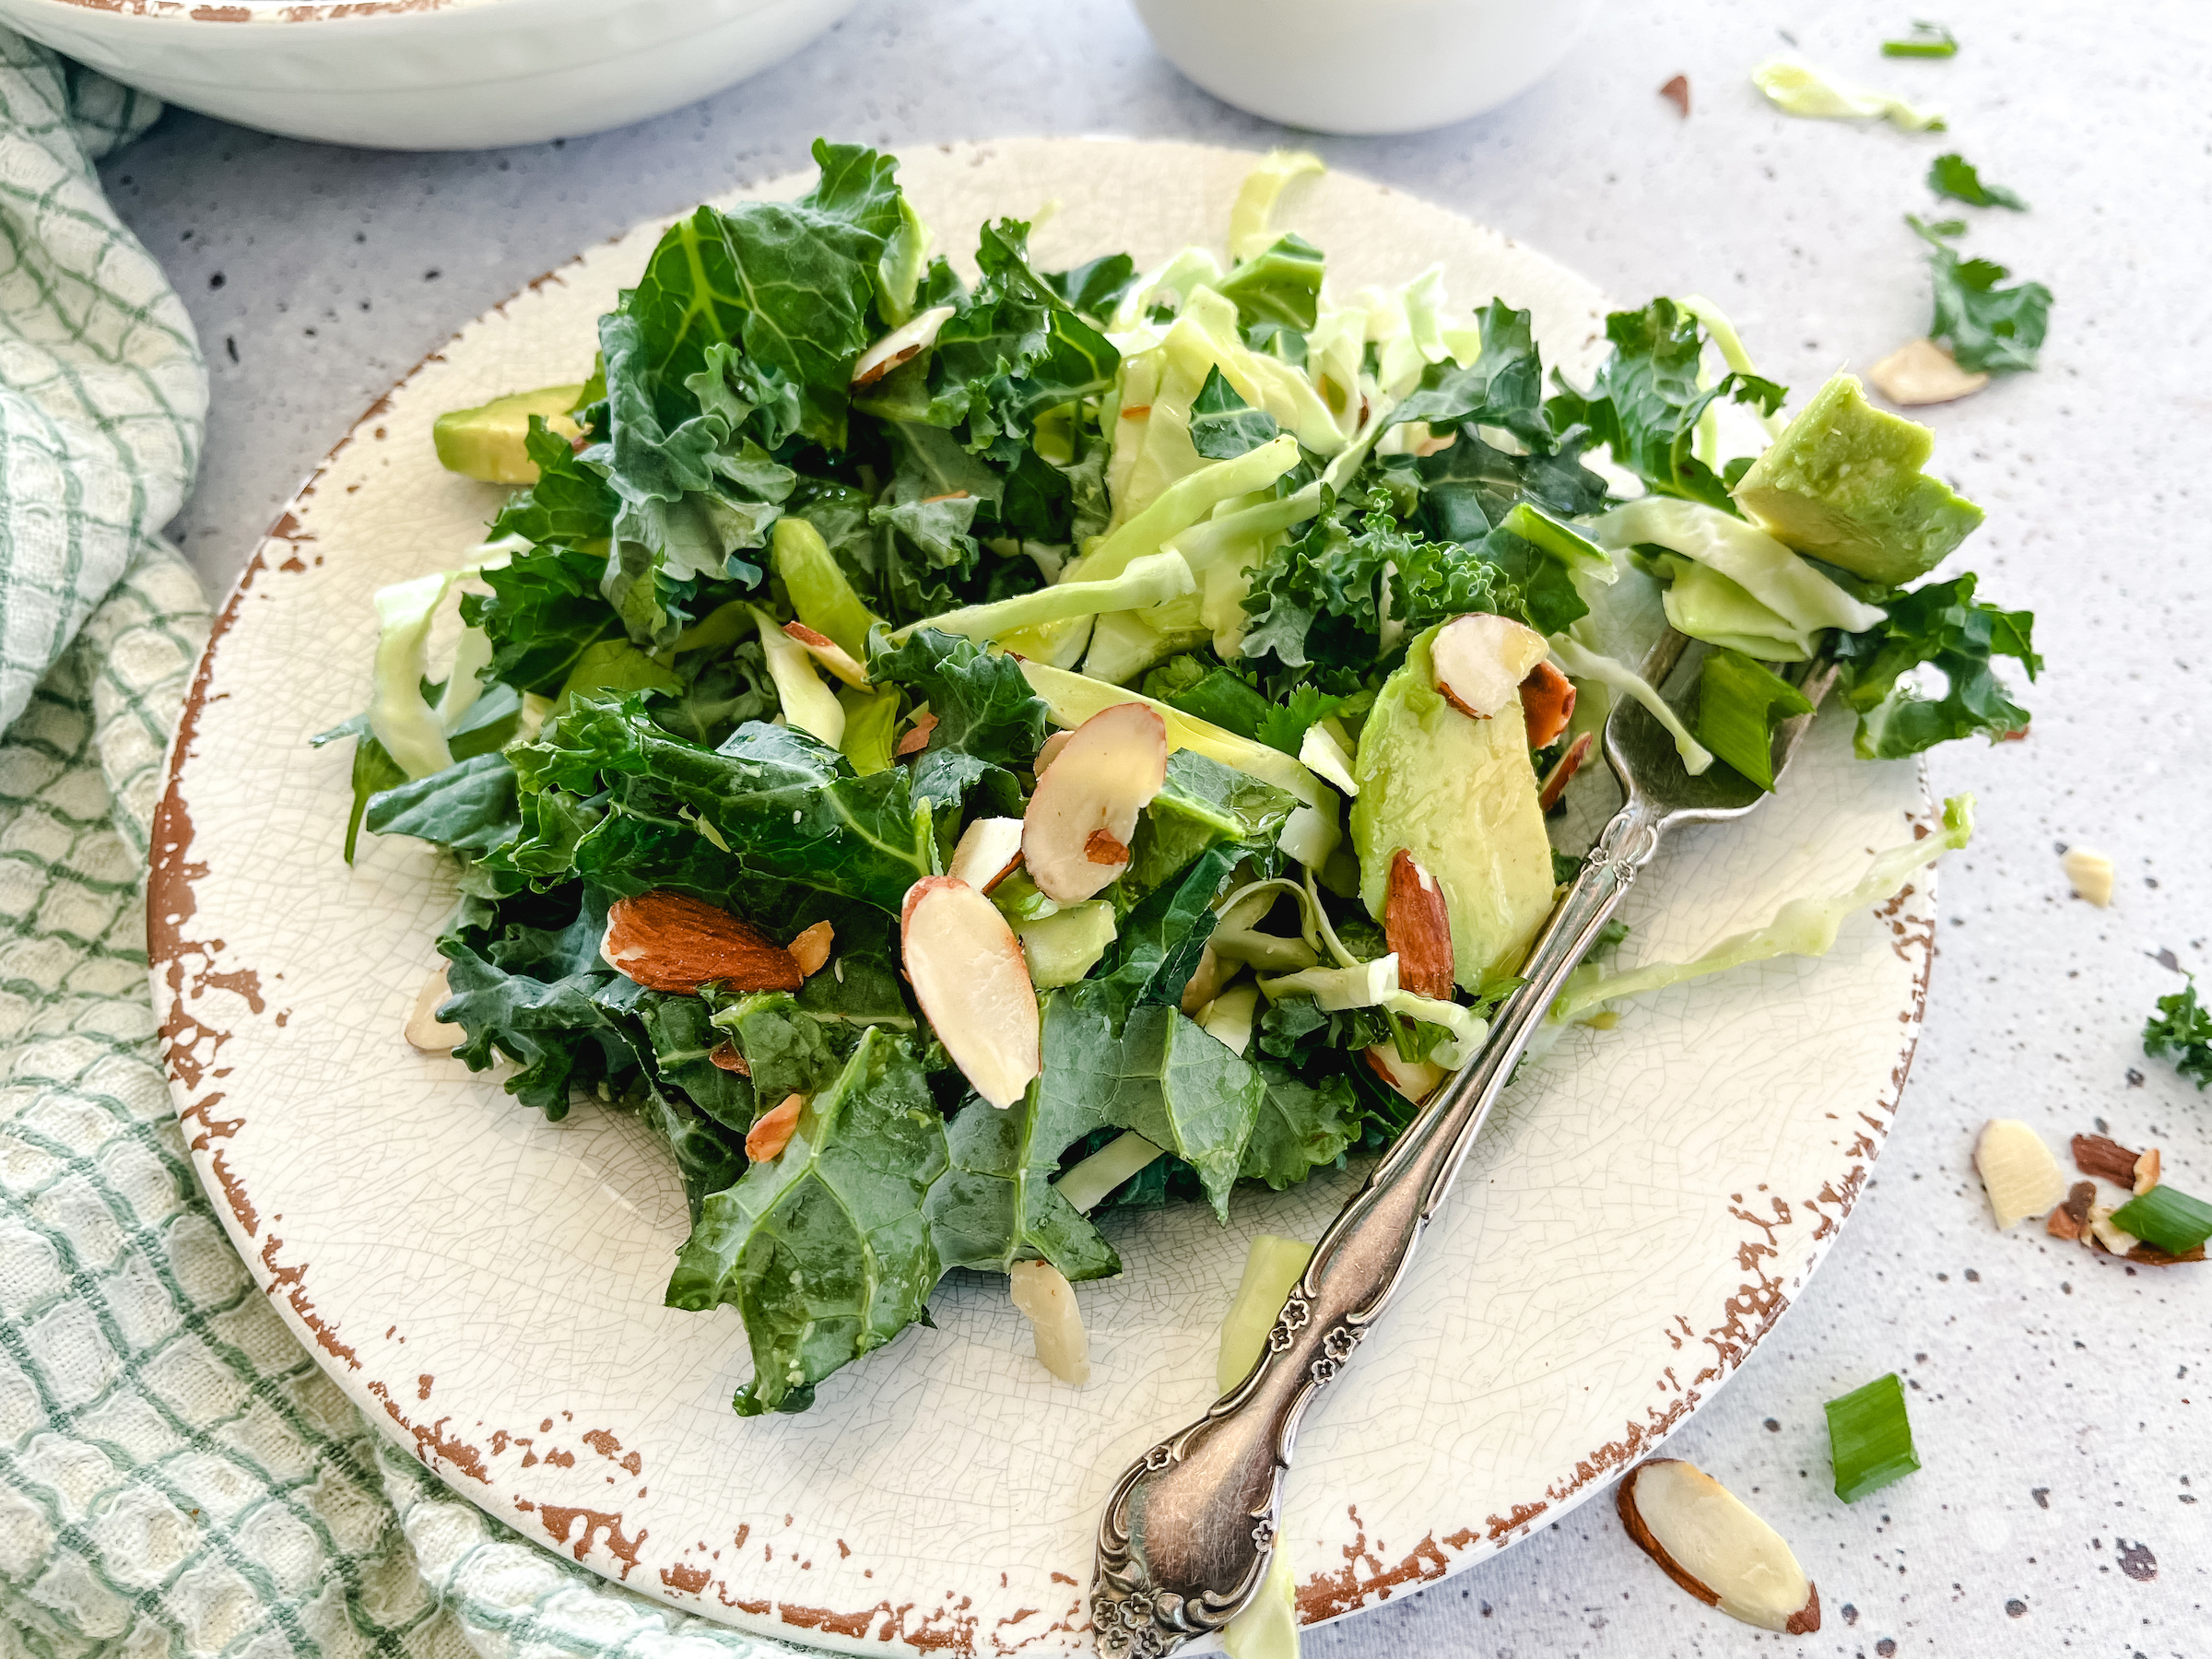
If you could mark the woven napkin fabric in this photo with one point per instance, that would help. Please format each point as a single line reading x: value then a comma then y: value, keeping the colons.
x: 177, y: 1478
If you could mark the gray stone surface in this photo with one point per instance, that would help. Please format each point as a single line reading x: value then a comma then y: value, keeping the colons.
x: 2055, y: 1396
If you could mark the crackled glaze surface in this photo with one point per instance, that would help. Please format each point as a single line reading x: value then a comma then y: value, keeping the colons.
x: 487, y: 1286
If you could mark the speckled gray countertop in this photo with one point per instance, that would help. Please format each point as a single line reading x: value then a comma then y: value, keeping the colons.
x: 2062, y: 1404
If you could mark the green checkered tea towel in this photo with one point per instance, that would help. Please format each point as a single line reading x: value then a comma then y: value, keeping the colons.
x: 176, y: 1477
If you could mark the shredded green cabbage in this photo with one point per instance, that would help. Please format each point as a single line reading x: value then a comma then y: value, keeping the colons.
x: 1803, y: 927
x: 1796, y: 87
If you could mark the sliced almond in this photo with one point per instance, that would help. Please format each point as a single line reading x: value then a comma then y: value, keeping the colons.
x: 1063, y: 1346
x: 1920, y: 371
x: 1547, y: 704
x: 1479, y: 662
x: 811, y: 949
x: 2068, y: 1219
x: 2091, y: 874
x: 726, y: 1055
x: 968, y: 973
x: 669, y: 941
x: 917, y: 737
x: 1111, y: 767
x: 424, y: 1029
x: 1708, y: 1542
x: 987, y: 853
x: 2105, y: 1159
x: 1049, y: 751
x: 1563, y: 771
x: 2105, y: 1236
x: 1417, y: 925
x: 2152, y: 1256
x: 771, y: 1132
x: 829, y: 655
x: 2018, y: 1171
x: 910, y: 339
x: 1415, y: 1081
x: 1101, y: 848
x: 2147, y: 1171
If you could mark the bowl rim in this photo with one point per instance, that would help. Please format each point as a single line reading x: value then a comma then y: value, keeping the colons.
x: 250, y: 13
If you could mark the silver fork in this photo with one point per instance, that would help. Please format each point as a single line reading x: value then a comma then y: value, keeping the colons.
x: 1189, y: 1531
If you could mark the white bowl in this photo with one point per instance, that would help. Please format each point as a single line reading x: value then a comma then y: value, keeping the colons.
x: 1365, y: 66
x: 427, y: 74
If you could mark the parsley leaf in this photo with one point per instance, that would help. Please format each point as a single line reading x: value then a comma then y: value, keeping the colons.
x: 1285, y: 724
x: 1998, y: 329
x: 1941, y: 625
x: 1954, y: 176
x: 2183, y: 1028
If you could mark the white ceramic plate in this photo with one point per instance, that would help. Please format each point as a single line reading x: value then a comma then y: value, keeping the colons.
x: 487, y: 1286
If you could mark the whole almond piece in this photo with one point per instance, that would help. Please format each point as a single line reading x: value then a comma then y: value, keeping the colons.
x: 1547, y: 704
x: 771, y: 1132
x: 1417, y: 925
x: 726, y: 1054
x: 668, y: 941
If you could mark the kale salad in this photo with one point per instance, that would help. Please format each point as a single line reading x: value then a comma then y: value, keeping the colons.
x: 957, y: 755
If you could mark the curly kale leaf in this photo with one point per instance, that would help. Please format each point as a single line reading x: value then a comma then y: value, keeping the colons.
x: 1942, y: 625
x: 1645, y: 401
x: 2181, y: 1030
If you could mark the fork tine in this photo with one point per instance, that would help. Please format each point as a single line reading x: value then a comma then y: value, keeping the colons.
x: 1820, y: 675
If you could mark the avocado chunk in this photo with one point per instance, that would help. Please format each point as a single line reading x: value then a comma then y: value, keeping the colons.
x: 486, y: 442
x: 1460, y: 794
x: 1843, y: 483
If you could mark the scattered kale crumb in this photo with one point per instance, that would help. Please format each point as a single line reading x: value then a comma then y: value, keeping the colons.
x: 2181, y: 1030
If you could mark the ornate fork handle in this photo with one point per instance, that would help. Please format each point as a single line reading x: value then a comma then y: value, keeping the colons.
x: 1190, y: 1528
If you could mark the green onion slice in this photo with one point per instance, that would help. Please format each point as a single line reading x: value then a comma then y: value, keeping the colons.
x: 2172, y: 1221
x: 1739, y: 704
x: 1870, y: 1438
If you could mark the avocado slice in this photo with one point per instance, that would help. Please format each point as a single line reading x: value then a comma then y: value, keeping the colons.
x: 486, y: 442
x: 1460, y: 794
x: 1843, y: 483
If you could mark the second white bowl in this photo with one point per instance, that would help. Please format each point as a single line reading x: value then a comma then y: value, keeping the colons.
x: 1366, y: 65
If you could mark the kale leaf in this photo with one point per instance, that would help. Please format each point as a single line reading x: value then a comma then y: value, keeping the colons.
x: 1997, y: 329
x: 1955, y: 176
x: 825, y: 1250
x: 989, y: 721
x: 1223, y: 426
x: 1645, y: 401
x: 543, y: 611
x: 2183, y: 1028
x: 778, y: 803
x: 1940, y: 624
x: 1300, y: 1126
